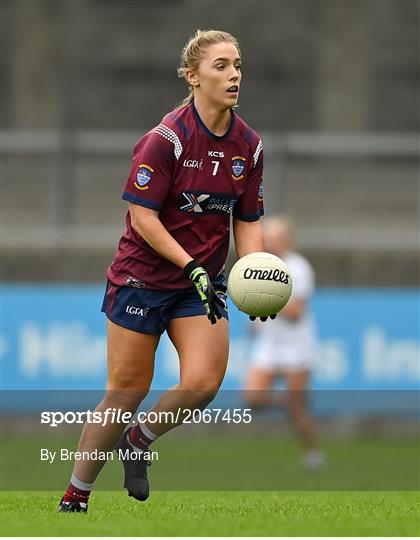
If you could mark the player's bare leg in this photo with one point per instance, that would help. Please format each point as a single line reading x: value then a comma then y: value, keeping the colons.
x: 302, y: 420
x: 297, y: 406
x: 258, y: 394
x: 258, y: 391
x: 130, y: 371
x: 203, y: 351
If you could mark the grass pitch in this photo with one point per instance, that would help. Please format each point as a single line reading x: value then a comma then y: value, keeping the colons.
x: 226, y: 487
x: 216, y: 514
x: 226, y: 463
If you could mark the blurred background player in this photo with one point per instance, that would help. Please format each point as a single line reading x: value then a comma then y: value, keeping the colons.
x: 286, y: 347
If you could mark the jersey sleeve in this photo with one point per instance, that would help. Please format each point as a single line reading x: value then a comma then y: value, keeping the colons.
x: 250, y: 206
x: 151, y: 171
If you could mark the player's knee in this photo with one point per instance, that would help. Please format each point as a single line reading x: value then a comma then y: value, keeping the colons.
x: 253, y: 399
x: 126, y: 382
x: 198, y: 397
x: 205, y: 397
x: 126, y: 400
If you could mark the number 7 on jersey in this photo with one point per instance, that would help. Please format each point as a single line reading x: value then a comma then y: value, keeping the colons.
x: 216, y: 166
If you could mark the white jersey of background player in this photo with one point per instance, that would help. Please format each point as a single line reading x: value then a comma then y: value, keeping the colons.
x: 286, y: 346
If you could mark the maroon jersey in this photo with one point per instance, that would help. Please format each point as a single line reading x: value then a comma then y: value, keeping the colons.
x: 196, y: 181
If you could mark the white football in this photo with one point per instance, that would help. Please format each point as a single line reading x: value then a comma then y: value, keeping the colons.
x: 260, y: 284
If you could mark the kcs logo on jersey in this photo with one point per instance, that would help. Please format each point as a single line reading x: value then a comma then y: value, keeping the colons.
x: 238, y: 166
x: 144, y: 175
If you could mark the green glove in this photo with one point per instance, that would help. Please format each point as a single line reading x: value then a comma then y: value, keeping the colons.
x: 212, y: 303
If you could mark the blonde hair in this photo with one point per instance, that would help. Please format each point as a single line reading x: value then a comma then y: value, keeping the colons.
x: 280, y: 221
x: 194, y: 50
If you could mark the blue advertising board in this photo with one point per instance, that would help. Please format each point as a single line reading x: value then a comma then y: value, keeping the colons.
x: 53, y: 337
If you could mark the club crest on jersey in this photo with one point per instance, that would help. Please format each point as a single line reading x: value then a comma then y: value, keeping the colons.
x: 238, y: 166
x: 144, y: 175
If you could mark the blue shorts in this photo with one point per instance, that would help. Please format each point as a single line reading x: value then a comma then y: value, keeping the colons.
x: 149, y: 311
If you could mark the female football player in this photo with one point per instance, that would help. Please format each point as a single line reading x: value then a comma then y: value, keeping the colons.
x: 190, y: 174
x: 286, y: 348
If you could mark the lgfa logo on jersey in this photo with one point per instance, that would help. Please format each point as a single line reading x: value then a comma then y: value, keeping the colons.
x: 238, y: 166
x: 144, y: 174
x: 193, y: 164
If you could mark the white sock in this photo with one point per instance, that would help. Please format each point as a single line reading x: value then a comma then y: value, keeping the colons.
x: 79, y: 484
x: 147, y: 433
x: 314, y: 459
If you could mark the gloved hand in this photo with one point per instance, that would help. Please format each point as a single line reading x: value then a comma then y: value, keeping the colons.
x: 211, y: 302
x: 263, y: 319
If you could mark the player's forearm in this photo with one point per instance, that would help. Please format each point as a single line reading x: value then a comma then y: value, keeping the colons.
x: 148, y: 225
x: 248, y: 237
